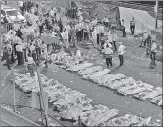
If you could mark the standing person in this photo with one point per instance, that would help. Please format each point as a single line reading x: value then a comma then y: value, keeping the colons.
x: 65, y: 38
x: 108, y: 55
x: 30, y: 65
x: 73, y: 36
x: 7, y: 57
x: 148, y: 44
x: 21, y: 6
x: 121, y: 53
x: 38, y: 47
x: 32, y: 49
x: 114, y: 38
x: 98, y: 34
x: 109, y: 37
x: 19, y: 53
x: 132, y: 26
x: 94, y: 37
x: 123, y: 28
x: 153, y: 52
x: 44, y: 52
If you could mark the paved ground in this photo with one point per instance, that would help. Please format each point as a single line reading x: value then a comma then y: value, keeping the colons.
x: 136, y: 65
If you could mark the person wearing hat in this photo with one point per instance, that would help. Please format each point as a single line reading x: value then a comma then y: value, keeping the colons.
x: 121, y: 51
x: 19, y: 53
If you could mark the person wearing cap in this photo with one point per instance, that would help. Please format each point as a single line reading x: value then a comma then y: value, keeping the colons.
x: 153, y: 52
x: 121, y: 51
x: 108, y: 55
x: 19, y: 53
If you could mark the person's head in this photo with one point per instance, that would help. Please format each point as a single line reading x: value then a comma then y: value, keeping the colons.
x: 36, y: 22
x: 35, y: 30
x: 29, y: 55
x: 122, y: 20
x: 42, y: 42
x: 30, y: 43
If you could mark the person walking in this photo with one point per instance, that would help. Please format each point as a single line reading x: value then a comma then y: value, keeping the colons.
x: 108, y: 55
x: 65, y: 38
x: 121, y: 53
x: 132, y: 26
x: 153, y: 53
x: 19, y: 53
x: 30, y: 65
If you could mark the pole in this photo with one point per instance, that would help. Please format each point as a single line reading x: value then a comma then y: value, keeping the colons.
x: 14, y: 89
x: 41, y: 96
x: 156, y: 14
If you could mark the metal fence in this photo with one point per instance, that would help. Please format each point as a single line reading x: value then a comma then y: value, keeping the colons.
x: 7, y: 27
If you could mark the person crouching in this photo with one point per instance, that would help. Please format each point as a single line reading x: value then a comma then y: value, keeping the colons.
x: 108, y: 55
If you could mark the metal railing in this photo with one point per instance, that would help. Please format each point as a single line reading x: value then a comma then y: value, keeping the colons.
x: 7, y: 27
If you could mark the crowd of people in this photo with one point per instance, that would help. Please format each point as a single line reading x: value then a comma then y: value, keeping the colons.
x: 29, y: 47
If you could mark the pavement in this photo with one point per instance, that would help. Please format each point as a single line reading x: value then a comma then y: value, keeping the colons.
x: 136, y: 65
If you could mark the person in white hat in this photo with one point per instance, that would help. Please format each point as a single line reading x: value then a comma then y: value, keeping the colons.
x: 121, y: 51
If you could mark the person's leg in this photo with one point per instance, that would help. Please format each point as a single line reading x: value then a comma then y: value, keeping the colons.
x: 124, y: 32
x: 18, y: 57
x: 8, y: 63
x: 37, y: 52
x: 131, y: 29
x: 120, y: 61
x: 22, y: 58
x: 122, y: 58
x: 110, y: 61
x: 107, y: 62
x: 115, y: 46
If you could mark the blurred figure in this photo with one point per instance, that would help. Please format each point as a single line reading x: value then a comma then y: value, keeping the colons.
x: 121, y: 51
x: 132, y: 26
x: 31, y: 65
x: 108, y: 55
x: 153, y: 52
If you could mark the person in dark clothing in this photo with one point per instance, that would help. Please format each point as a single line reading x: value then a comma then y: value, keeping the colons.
x: 123, y: 28
x: 7, y: 57
x: 19, y: 34
x: 132, y: 26
x: 60, y: 25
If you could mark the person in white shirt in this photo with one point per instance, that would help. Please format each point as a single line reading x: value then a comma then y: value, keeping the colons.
x: 32, y: 49
x: 30, y: 65
x: 65, y: 38
x: 123, y: 28
x: 94, y: 37
x: 101, y: 30
x: 108, y: 55
x: 109, y: 37
x: 19, y: 52
x: 153, y: 52
x: 121, y: 51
